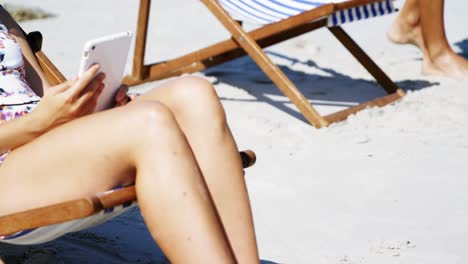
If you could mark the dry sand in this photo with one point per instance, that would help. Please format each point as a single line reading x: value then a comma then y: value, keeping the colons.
x: 386, y: 186
x: 23, y: 13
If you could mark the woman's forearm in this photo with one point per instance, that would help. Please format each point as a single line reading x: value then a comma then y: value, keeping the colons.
x: 18, y: 132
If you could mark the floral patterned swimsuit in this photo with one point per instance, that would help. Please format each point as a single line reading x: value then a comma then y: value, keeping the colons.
x: 16, y: 97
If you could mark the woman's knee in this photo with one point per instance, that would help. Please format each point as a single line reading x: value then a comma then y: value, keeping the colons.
x: 197, y: 98
x: 148, y: 118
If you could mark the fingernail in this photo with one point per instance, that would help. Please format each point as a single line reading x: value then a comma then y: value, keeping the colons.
x: 94, y: 67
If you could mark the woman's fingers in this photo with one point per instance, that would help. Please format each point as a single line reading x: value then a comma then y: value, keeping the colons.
x: 121, y: 94
x: 89, y: 95
x: 80, y: 85
x: 94, y: 84
x: 61, y: 87
x: 124, y: 101
x: 88, y: 101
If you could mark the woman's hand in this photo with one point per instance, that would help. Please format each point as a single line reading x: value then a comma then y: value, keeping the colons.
x: 121, y: 98
x: 73, y: 99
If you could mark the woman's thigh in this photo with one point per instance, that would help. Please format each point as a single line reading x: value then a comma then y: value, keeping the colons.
x: 85, y: 156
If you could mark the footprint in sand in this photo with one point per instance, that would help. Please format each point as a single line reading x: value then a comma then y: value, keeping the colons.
x: 391, y: 248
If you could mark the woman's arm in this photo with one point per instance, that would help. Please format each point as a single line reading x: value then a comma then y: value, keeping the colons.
x: 60, y: 104
x: 34, y: 74
x: 19, y: 131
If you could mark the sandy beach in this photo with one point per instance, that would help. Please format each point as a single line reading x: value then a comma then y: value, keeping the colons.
x: 388, y: 185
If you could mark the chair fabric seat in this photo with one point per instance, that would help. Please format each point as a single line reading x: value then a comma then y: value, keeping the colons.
x: 263, y: 12
x: 51, y: 232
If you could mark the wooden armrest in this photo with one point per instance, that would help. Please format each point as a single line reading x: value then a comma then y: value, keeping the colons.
x: 81, y: 208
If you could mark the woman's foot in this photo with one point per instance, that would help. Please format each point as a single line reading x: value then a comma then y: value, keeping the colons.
x: 403, y: 31
x: 449, y: 65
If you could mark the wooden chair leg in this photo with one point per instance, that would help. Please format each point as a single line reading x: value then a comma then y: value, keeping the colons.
x: 379, y: 102
x: 366, y: 61
x: 270, y: 69
x: 139, y: 71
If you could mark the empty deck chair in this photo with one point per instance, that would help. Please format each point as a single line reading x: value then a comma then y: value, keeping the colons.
x: 280, y: 20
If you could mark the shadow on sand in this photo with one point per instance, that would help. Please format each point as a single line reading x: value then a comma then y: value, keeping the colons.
x: 122, y: 240
x: 463, y: 45
x: 329, y: 87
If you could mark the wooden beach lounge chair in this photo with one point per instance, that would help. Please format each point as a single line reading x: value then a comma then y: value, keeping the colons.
x: 281, y: 20
x: 44, y: 224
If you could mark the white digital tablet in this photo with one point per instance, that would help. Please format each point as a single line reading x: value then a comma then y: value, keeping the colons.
x: 111, y: 53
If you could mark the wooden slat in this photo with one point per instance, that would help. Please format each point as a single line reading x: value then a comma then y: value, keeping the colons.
x: 139, y: 70
x: 117, y: 197
x: 44, y: 216
x: 54, y: 76
x: 381, y: 101
x: 365, y: 60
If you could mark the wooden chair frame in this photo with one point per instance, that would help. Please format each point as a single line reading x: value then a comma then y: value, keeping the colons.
x: 251, y: 43
x: 81, y: 208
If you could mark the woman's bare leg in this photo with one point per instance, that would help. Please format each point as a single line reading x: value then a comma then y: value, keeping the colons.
x: 201, y: 117
x: 406, y: 28
x: 97, y: 152
x: 421, y: 23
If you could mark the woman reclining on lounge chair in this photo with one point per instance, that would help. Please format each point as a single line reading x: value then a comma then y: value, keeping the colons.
x: 173, y: 143
x: 421, y: 23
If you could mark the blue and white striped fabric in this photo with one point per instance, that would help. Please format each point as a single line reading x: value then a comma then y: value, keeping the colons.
x: 51, y: 232
x: 361, y: 12
x: 262, y: 12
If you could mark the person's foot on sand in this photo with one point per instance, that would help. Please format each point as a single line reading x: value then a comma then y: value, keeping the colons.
x: 447, y: 64
x: 406, y: 31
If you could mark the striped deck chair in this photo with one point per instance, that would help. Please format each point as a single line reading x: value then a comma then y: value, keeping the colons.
x: 47, y: 223
x: 280, y: 20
